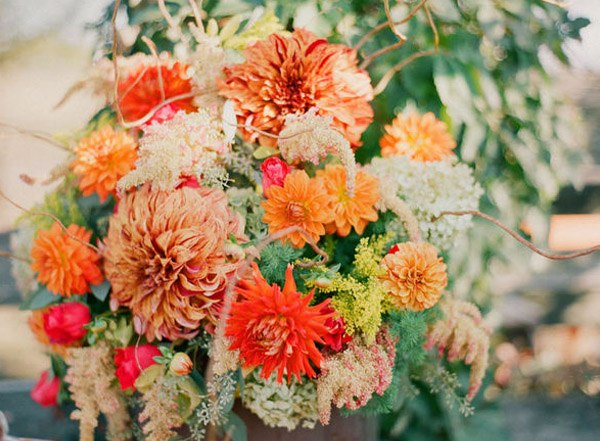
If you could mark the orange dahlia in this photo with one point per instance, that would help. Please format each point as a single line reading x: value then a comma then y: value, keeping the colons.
x: 143, y: 88
x: 166, y: 258
x: 356, y: 211
x: 103, y: 158
x: 65, y: 265
x: 301, y: 201
x: 422, y: 138
x: 289, y: 75
x: 277, y: 329
x: 415, y: 277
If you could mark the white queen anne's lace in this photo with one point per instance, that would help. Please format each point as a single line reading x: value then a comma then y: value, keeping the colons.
x: 190, y: 144
x: 281, y: 405
x: 430, y: 188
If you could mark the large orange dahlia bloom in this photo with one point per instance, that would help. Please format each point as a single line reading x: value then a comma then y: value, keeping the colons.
x: 63, y: 262
x: 277, y: 329
x: 289, y: 75
x: 415, y: 277
x: 350, y: 212
x: 103, y: 158
x: 302, y: 202
x: 166, y: 258
x: 422, y: 138
x: 147, y: 86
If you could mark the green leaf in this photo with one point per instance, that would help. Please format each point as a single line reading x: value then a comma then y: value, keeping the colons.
x: 40, y: 299
x: 236, y: 428
x: 193, y: 396
x: 101, y: 291
x: 264, y: 152
x: 148, y: 376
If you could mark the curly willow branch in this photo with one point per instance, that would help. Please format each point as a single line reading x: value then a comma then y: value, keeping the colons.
x: 10, y: 255
x: 381, y: 26
x: 51, y: 216
x: 519, y: 238
x: 113, y: 22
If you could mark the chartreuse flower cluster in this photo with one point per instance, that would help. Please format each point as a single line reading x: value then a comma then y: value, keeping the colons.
x: 214, y: 237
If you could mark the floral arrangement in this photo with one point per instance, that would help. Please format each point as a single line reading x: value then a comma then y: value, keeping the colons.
x: 213, y: 238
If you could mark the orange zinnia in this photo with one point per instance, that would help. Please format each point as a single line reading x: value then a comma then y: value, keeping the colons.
x: 144, y: 88
x: 288, y: 75
x: 103, y: 158
x: 420, y: 138
x: 302, y: 202
x: 63, y: 262
x: 356, y: 211
x: 415, y: 277
x: 277, y: 329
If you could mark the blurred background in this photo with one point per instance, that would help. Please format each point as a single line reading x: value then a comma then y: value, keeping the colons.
x: 545, y: 380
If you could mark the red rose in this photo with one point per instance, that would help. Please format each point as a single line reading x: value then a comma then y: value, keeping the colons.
x: 64, y: 323
x: 394, y: 249
x: 131, y: 361
x: 337, y: 336
x: 274, y: 172
x: 45, y: 391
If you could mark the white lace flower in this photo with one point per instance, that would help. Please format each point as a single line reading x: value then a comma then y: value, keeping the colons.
x: 430, y: 188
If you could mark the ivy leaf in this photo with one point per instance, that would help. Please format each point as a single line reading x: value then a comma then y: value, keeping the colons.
x: 40, y: 299
x: 101, y: 291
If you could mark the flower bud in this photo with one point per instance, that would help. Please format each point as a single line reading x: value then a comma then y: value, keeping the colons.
x: 181, y: 364
x: 274, y: 172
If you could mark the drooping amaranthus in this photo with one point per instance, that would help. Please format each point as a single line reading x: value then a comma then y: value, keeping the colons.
x: 464, y: 335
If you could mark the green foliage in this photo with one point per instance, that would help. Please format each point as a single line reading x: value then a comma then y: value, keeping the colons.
x: 62, y: 203
x: 274, y: 260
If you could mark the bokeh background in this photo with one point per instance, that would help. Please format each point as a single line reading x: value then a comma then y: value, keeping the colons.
x: 545, y: 381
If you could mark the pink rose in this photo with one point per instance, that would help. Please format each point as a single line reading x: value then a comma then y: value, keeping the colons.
x: 45, y: 391
x: 274, y: 172
x: 165, y: 113
x: 131, y: 361
x: 64, y: 323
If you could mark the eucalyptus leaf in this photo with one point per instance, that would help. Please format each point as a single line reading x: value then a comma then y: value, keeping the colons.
x: 40, y: 299
x: 101, y: 291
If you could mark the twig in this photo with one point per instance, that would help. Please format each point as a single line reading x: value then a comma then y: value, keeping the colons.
x: 197, y: 14
x: 436, y: 36
x: 135, y: 82
x: 14, y: 256
x: 51, y: 216
x: 154, y: 51
x: 113, y: 22
x: 401, y: 37
x: 519, y: 238
x: 148, y: 116
x: 372, y: 57
x: 387, y: 77
x: 381, y: 26
x: 36, y: 134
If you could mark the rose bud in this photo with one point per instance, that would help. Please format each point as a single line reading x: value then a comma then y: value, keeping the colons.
x: 45, y: 391
x: 337, y: 337
x: 64, y: 323
x: 181, y: 364
x: 274, y: 172
x: 131, y: 361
